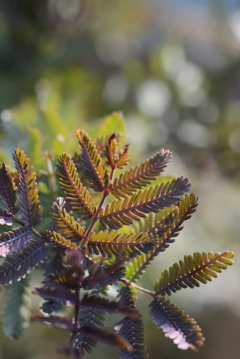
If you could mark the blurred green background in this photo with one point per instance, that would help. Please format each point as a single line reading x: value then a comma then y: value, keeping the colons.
x: 173, y: 68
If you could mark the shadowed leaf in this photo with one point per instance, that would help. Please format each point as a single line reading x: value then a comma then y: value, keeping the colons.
x: 18, y: 265
x: 176, y: 325
x: 5, y: 217
x: 15, y: 240
x: 16, y: 309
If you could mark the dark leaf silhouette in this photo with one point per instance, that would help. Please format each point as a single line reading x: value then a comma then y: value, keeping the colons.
x: 102, y: 304
x: 132, y: 329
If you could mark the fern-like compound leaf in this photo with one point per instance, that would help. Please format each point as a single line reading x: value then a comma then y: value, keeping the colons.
x: 163, y: 227
x: 124, y: 212
x: 132, y: 329
x: 104, y: 336
x: 15, y: 314
x: 176, y: 325
x: 29, y: 199
x: 111, y: 242
x: 66, y: 223
x: 15, y: 240
x: 56, y: 321
x: 141, y: 175
x: 60, y: 240
x: 101, y: 275
x: 7, y: 190
x: 76, y: 194
x: 92, y: 162
x: 102, y: 304
x: 64, y: 295
x: 17, y: 265
x: 92, y: 318
x: 5, y: 217
x: 193, y: 270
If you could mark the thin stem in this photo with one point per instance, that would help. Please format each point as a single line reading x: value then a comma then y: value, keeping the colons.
x: 141, y: 289
x: 33, y: 230
x: 95, y: 217
x: 76, y: 314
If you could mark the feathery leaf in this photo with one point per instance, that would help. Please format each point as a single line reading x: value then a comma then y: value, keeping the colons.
x: 141, y: 175
x: 29, y: 199
x: 101, y: 275
x: 175, y: 324
x: 193, y: 270
x: 64, y: 295
x: 7, y: 189
x: 163, y: 227
x: 132, y: 329
x: 60, y: 240
x: 105, y: 336
x: 111, y: 242
x: 16, y: 309
x: 17, y: 265
x: 66, y: 223
x: 122, y: 212
x: 102, y: 304
x: 15, y: 240
x: 76, y: 194
x: 92, y: 162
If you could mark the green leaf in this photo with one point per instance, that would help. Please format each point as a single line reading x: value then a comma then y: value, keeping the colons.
x: 16, y: 309
x: 176, y: 325
x: 140, y: 176
x: 113, y: 123
x: 35, y: 146
x: 76, y: 194
x: 29, y: 199
x: 193, y: 270
x: 92, y: 162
